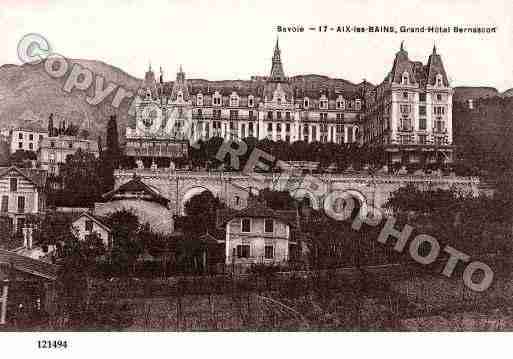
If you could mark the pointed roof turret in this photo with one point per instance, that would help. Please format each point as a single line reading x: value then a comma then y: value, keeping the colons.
x: 435, y: 67
x: 277, y: 73
x: 402, y: 64
x: 180, y: 85
x: 149, y: 79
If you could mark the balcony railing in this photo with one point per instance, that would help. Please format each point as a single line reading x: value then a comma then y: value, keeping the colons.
x: 224, y: 118
x: 439, y: 130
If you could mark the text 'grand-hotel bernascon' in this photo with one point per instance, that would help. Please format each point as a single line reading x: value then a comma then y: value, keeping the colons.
x: 409, y: 113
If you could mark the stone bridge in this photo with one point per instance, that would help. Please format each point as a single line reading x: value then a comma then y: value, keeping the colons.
x: 232, y: 188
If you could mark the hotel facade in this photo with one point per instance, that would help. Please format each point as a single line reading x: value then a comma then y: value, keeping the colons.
x: 409, y: 112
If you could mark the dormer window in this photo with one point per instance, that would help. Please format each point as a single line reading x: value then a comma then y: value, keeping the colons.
x: 180, y: 95
x: 234, y: 100
x: 306, y: 103
x: 279, y: 101
x: 217, y: 99
x: 341, y: 104
x: 406, y: 79
x: 323, y: 103
x: 358, y: 104
x: 199, y: 100
x: 439, y: 82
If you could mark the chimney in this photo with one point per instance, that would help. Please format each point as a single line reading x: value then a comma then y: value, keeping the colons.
x: 25, y: 238
x: 29, y: 237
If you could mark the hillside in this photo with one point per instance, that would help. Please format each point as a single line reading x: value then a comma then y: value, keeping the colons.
x: 28, y: 95
x: 464, y: 93
x: 483, y: 134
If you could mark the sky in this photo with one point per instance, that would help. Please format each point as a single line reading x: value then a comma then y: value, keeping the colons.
x: 235, y: 39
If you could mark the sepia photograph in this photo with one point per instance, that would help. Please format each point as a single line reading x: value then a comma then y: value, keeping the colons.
x: 297, y: 167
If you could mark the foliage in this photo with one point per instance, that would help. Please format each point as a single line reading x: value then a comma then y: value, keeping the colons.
x: 110, y: 158
x: 125, y: 227
x: 81, y: 183
x: 22, y: 158
x: 278, y: 200
x: 203, y: 154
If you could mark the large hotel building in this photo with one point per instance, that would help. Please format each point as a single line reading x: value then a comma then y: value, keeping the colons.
x: 409, y: 114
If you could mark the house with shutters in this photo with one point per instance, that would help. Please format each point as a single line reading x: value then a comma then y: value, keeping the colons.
x: 22, y: 194
x: 257, y: 234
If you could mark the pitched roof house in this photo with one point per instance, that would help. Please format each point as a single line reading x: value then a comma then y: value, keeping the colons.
x: 87, y: 224
x: 257, y: 234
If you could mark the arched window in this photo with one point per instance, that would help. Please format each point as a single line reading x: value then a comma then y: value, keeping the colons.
x: 199, y: 100
x: 406, y: 79
x: 234, y: 100
x: 341, y: 103
x: 323, y: 102
x: 306, y: 102
x: 439, y: 80
x: 217, y: 99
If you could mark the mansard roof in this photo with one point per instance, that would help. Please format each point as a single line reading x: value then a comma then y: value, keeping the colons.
x: 435, y: 67
x: 417, y: 72
x: 402, y: 65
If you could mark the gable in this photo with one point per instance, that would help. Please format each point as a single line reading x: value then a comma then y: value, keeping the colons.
x: 24, y: 184
x: 81, y: 220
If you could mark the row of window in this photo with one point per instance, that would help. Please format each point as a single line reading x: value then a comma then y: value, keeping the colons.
x: 246, y: 225
x: 31, y: 145
x: 406, y: 109
x: 217, y: 100
x: 406, y: 124
x: 422, y: 96
x: 244, y: 251
x: 30, y: 136
x: 406, y: 79
x: 278, y: 127
x: 340, y: 104
x: 323, y: 102
x: 5, y: 204
x: 422, y: 140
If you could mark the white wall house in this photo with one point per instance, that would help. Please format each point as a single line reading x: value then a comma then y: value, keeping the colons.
x: 27, y: 139
x: 86, y: 224
x: 257, y: 235
x: 21, y: 194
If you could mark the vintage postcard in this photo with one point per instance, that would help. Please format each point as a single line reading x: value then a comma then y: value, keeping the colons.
x: 244, y: 166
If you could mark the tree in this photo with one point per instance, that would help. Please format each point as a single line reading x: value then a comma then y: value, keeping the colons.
x: 200, y: 213
x: 22, y: 158
x: 278, y: 200
x: 111, y: 157
x: 77, y: 263
x: 80, y: 176
x: 125, y: 227
x: 211, y: 148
